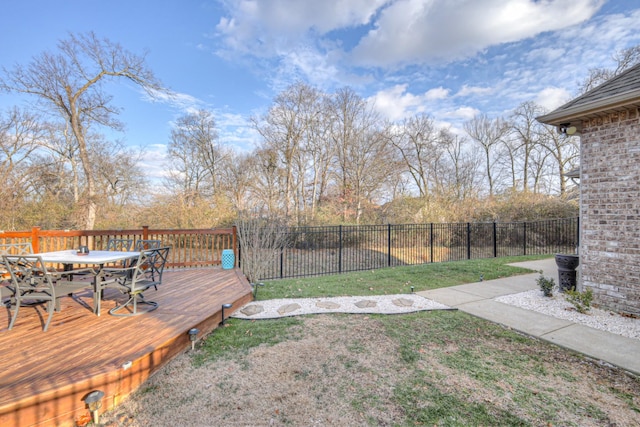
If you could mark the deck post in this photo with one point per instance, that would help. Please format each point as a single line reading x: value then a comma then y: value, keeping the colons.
x: 234, y: 244
x: 35, y: 239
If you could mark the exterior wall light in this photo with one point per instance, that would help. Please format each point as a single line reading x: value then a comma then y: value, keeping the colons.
x: 568, y: 129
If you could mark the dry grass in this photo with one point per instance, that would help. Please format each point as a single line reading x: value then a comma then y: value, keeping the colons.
x: 431, y: 368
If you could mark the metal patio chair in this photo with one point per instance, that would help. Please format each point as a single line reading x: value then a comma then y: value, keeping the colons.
x: 142, y: 245
x: 146, y: 272
x: 34, y: 284
x: 123, y: 245
x: 16, y: 248
x: 6, y: 289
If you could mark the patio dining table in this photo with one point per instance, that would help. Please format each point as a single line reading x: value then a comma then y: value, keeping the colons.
x: 96, y: 258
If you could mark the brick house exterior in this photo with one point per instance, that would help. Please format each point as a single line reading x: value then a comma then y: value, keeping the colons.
x: 607, y: 119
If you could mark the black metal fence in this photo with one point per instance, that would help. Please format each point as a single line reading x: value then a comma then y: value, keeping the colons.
x: 315, y: 251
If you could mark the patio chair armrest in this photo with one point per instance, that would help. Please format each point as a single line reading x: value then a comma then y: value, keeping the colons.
x: 113, y: 276
x: 115, y: 271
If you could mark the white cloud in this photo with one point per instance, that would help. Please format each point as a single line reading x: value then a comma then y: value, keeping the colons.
x: 462, y: 113
x: 236, y: 130
x: 180, y: 101
x: 417, y: 31
x: 437, y: 93
x: 467, y: 90
x: 154, y: 161
x: 273, y: 26
x: 498, y: 53
x: 552, y: 97
x: 396, y: 103
x: 546, y: 54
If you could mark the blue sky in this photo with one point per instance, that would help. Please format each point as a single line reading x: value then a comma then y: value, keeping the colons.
x: 451, y: 59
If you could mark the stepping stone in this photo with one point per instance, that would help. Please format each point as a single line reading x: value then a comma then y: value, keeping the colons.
x: 252, y: 309
x: 366, y: 304
x: 327, y: 304
x: 403, y: 302
x: 288, y: 308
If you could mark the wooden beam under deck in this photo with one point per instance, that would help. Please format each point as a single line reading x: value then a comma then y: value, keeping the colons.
x: 44, y: 376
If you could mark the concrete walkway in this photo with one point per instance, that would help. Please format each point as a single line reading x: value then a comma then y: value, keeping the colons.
x: 478, y: 299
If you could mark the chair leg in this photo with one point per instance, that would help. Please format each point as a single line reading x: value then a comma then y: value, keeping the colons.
x: 15, y: 313
x: 51, y: 306
x: 97, y: 297
x: 132, y: 306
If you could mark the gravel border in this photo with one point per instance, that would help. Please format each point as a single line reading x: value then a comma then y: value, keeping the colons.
x: 558, y: 307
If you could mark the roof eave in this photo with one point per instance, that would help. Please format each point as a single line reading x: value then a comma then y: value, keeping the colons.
x: 567, y: 115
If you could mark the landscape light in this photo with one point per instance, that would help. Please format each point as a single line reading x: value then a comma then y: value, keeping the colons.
x: 94, y: 402
x: 223, y: 307
x: 193, y: 336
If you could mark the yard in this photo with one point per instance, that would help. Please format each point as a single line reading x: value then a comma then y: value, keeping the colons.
x: 427, y: 368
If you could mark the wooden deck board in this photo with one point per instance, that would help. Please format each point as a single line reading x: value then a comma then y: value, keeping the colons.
x: 44, y: 375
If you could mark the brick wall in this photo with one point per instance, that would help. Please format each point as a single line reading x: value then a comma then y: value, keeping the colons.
x: 610, y: 210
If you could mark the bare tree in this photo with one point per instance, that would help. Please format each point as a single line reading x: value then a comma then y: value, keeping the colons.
x: 194, y: 154
x: 69, y: 84
x: 526, y: 137
x: 416, y: 139
x: 266, y: 189
x: 120, y: 180
x: 624, y: 59
x: 489, y: 134
x: 565, y: 151
x: 285, y: 130
x: 20, y: 134
x: 320, y: 154
x: 461, y: 179
x: 262, y: 237
x: 236, y: 177
x: 362, y: 151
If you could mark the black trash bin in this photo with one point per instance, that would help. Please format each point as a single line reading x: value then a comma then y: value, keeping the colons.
x: 567, y: 274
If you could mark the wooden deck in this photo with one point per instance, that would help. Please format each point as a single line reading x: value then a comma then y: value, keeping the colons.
x: 45, y: 375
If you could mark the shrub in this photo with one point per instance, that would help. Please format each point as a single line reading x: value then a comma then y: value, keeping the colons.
x: 546, y: 285
x: 580, y: 300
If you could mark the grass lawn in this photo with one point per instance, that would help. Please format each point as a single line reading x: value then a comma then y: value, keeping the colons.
x: 438, y: 368
x: 395, y: 280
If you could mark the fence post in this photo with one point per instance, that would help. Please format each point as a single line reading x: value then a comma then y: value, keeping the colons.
x: 495, y: 240
x: 236, y: 246
x: 524, y: 239
x: 340, y: 248
x: 281, y: 262
x: 431, y: 241
x: 388, y: 245
x: 468, y: 240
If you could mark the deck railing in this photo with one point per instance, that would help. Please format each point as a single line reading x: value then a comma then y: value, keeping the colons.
x: 189, y: 248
